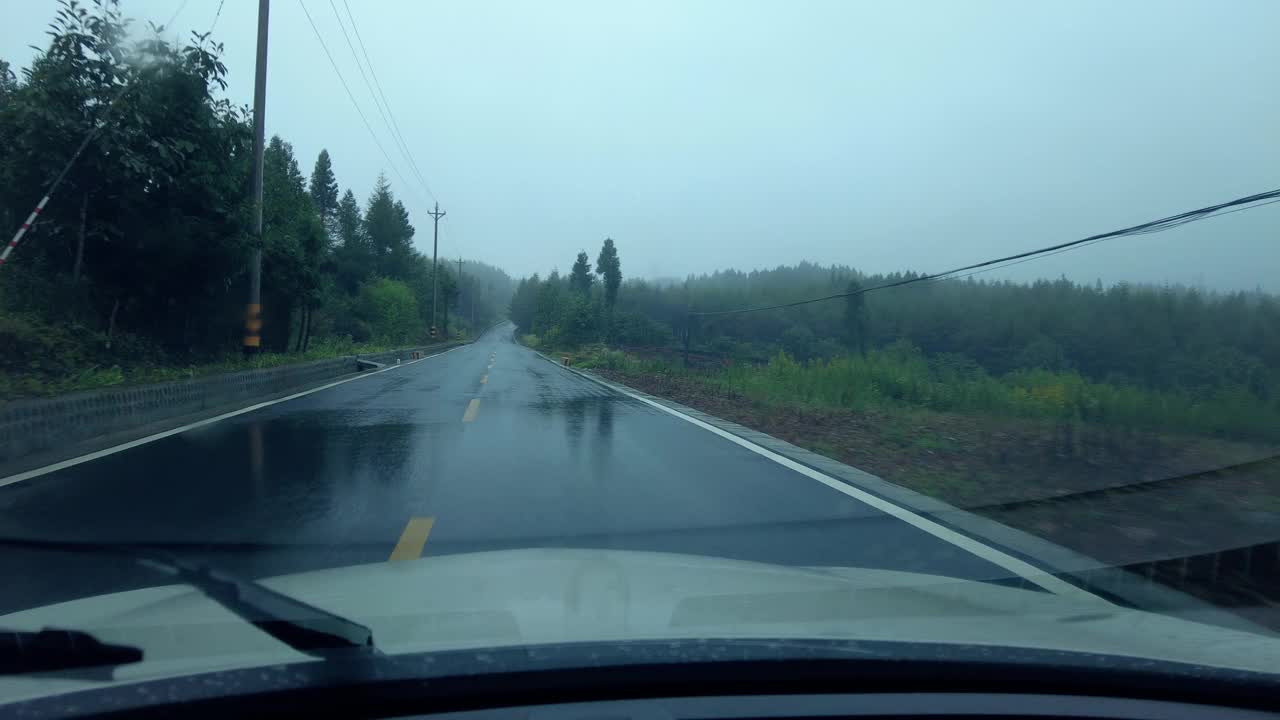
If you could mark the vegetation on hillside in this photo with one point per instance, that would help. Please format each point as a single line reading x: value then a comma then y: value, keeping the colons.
x: 1156, y: 357
x: 589, y: 305
x: 139, y: 263
x: 900, y: 377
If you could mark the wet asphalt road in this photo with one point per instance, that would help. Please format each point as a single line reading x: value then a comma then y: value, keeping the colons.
x: 496, y: 446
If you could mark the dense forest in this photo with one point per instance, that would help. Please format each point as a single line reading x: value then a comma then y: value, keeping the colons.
x: 1157, y: 337
x: 141, y: 257
x: 1155, y: 350
x: 576, y: 308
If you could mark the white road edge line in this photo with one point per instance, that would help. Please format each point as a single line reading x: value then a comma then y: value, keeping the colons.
x: 1021, y: 568
x: 37, y: 472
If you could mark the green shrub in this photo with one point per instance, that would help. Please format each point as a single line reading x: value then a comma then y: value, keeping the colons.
x: 39, y: 348
x: 391, y: 310
x: 630, y: 328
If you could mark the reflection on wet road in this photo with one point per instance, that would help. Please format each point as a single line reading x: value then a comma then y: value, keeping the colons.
x: 484, y: 447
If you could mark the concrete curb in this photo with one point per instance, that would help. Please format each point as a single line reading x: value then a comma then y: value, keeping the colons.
x: 1088, y: 573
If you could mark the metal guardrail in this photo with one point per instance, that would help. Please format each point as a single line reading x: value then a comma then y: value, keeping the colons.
x: 42, y: 427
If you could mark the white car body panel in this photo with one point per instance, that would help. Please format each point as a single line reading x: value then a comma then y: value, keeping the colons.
x: 537, y: 596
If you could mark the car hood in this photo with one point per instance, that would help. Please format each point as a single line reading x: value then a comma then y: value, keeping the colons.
x: 540, y: 596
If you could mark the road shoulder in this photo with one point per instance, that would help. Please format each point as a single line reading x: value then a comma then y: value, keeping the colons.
x: 1085, y: 572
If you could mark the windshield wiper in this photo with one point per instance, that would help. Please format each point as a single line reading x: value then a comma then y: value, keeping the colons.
x: 52, y: 650
x: 303, y: 627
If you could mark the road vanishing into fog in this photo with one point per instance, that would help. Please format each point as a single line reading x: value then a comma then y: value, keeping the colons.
x: 483, y: 447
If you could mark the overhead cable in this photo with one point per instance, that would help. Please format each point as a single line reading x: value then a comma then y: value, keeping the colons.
x: 1249, y: 202
x: 352, y: 97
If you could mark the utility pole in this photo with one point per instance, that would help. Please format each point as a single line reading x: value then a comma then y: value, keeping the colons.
x: 253, y: 311
x: 460, y: 316
x: 688, y: 335
x: 435, y: 247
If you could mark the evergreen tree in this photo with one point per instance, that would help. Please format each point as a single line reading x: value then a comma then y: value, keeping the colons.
x: 292, y: 247
x: 390, y: 236
x: 348, y: 221
x: 580, y: 278
x: 353, y: 259
x: 324, y: 191
x: 610, y: 268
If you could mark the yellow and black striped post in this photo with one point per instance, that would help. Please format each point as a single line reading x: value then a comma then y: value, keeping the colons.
x: 253, y: 328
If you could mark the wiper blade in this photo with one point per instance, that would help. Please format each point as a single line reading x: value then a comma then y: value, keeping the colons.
x: 51, y: 650
x: 303, y: 627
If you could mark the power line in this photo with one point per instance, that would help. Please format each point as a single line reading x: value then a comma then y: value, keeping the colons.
x: 350, y: 96
x: 1141, y: 232
x: 377, y: 105
x: 176, y: 13
x: 413, y: 164
x: 1245, y: 203
x: 216, y: 16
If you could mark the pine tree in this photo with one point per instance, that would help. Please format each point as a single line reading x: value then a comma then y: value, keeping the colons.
x: 580, y: 278
x: 324, y: 191
x: 347, y: 218
x: 353, y: 261
x: 390, y: 236
x: 608, y: 266
x: 293, y: 246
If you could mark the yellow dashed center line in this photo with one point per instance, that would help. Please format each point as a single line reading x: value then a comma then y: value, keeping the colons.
x: 473, y: 407
x: 412, y: 539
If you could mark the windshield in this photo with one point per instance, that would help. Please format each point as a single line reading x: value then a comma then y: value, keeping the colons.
x: 407, y: 327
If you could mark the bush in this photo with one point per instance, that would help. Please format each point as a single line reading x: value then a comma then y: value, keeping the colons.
x: 390, y: 309
x: 631, y: 328
x: 798, y: 341
x: 578, y: 324
x: 551, y: 338
x: 34, y: 347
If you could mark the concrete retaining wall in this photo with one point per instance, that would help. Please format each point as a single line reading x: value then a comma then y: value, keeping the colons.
x: 48, y: 425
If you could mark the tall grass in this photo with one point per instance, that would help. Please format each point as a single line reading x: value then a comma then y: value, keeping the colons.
x: 901, y: 377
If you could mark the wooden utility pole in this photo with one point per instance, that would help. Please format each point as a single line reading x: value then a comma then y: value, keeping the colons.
x: 253, y: 309
x: 460, y: 315
x: 688, y: 335
x: 435, y: 247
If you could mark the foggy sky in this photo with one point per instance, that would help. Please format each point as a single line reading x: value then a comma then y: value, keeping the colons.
x: 702, y: 135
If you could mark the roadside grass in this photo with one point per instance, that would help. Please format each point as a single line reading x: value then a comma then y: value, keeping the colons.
x: 899, y: 379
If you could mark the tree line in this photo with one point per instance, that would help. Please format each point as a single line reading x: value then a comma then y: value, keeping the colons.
x: 143, y: 251
x: 1167, y: 338
x: 581, y: 307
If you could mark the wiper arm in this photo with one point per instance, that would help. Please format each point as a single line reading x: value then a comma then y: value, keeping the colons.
x: 52, y: 650
x: 303, y: 627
